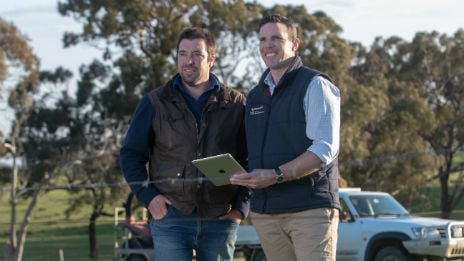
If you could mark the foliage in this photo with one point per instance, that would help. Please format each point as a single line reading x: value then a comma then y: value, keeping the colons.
x: 402, y: 126
x: 18, y: 61
x: 85, y: 128
x: 436, y: 69
x: 144, y: 33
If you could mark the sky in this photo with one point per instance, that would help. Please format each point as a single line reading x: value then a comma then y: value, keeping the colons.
x: 361, y: 20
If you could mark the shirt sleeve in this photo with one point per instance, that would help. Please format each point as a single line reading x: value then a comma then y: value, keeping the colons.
x: 135, y: 152
x: 322, y: 111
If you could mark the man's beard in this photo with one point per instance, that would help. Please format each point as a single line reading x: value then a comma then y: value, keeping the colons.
x: 190, y: 79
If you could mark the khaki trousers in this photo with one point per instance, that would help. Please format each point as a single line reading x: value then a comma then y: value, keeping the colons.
x: 309, y: 235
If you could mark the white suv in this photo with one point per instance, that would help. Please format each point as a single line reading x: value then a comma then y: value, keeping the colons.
x: 374, y: 226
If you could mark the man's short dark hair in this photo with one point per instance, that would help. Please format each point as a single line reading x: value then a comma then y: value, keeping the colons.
x: 199, y: 33
x: 275, y: 18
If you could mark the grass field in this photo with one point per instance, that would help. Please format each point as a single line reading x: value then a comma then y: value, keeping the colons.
x: 51, y: 232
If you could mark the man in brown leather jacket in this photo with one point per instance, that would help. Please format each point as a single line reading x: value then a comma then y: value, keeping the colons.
x: 192, y: 116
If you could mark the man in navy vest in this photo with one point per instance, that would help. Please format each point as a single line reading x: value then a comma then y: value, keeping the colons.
x: 292, y: 121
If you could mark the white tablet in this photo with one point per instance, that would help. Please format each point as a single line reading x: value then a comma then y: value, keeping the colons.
x: 218, y: 169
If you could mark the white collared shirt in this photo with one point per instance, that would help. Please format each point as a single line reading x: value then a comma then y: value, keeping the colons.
x: 322, y: 112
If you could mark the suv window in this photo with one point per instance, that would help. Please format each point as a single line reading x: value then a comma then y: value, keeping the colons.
x: 377, y: 205
x: 345, y: 214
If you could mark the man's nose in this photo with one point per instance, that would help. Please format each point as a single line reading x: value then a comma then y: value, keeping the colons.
x: 190, y: 59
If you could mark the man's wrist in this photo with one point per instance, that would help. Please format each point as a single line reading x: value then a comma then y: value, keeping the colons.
x: 279, y: 175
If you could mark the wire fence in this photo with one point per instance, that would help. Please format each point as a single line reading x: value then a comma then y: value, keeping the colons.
x: 353, y: 163
x: 70, y: 186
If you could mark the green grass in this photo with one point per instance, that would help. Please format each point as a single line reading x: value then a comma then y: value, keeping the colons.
x: 50, y: 231
x: 72, y: 241
x: 433, y: 205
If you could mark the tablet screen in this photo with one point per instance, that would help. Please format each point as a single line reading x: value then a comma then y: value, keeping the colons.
x: 218, y: 169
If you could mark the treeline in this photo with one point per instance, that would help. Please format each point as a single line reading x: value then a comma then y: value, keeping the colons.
x: 402, y: 102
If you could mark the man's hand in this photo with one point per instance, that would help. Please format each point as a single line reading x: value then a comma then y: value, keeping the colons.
x: 257, y: 179
x: 233, y: 215
x: 158, y: 207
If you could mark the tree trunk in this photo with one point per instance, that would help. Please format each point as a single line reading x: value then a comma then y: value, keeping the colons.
x: 11, y: 249
x: 93, y: 237
x: 27, y: 215
x: 445, y: 201
x: 14, y: 250
x: 9, y: 252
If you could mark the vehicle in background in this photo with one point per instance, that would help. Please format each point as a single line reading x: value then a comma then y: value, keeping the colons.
x: 132, y: 236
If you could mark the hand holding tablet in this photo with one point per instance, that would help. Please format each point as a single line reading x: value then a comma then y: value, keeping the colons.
x: 219, y: 168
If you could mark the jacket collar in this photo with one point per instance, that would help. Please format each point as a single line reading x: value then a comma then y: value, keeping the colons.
x: 287, y: 77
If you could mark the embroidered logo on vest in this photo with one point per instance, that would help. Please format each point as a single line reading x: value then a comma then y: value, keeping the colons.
x: 256, y: 110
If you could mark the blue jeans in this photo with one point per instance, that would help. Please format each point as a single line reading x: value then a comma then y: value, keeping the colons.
x: 177, y: 235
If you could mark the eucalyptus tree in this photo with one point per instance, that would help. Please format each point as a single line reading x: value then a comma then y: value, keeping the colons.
x: 140, y: 37
x: 19, y: 75
x: 388, y: 117
x: 414, y: 127
x: 80, y: 131
x: 434, y: 66
x: 96, y: 135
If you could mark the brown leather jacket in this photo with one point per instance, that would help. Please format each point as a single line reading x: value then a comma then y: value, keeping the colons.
x: 178, y: 140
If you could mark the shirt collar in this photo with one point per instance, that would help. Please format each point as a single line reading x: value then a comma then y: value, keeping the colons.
x: 269, y: 82
x: 293, y: 66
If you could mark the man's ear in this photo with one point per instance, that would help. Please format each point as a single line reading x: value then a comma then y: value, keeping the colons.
x: 295, y: 44
x: 211, y: 58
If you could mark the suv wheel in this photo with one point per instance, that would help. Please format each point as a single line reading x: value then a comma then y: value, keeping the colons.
x: 392, y: 253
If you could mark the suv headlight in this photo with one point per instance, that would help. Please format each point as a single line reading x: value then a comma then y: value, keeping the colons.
x: 456, y: 231
x: 430, y: 233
